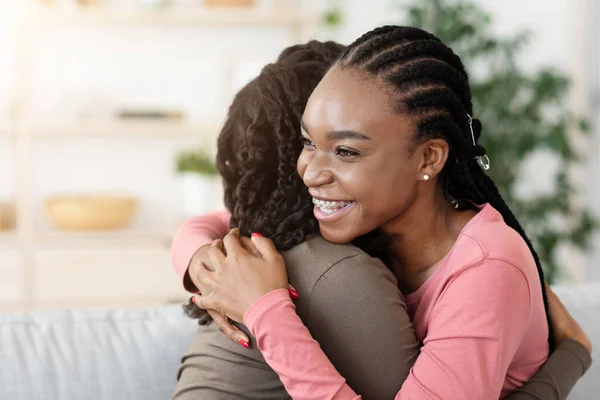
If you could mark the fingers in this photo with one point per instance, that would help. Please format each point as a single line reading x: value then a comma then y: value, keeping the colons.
x: 203, y: 278
x: 249, y: 246
x: 268, y: 251
x: 231, y: 241
x: 293, y: 292
x: 216, y: 255
x: 201, y: 257
x: 265, y: 247
x: 231, y: 331
x: 205, y: 302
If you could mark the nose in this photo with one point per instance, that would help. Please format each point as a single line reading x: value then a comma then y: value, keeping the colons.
x: 314, y: 169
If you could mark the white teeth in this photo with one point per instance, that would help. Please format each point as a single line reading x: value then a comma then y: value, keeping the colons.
x: 329, y: 207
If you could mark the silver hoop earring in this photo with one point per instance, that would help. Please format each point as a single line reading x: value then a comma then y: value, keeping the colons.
x: 426, y: 177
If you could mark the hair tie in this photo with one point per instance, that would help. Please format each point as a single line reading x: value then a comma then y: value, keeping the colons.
x: 478, y: 150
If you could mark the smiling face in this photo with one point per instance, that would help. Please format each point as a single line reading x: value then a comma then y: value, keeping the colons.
x: 359, y: 161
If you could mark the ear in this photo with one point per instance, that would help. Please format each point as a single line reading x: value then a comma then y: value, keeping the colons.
x: 434, y: 156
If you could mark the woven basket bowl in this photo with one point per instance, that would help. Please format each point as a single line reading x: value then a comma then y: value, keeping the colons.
x: 90, y: 212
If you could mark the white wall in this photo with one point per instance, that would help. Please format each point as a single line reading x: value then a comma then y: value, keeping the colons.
x: 84, y: 71
x: 87, y: 73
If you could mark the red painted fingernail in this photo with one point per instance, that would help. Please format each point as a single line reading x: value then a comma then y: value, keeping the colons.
x: 194, y: 300
x: 294, y: 294
x: 243, y: 343
x: 257, y: 234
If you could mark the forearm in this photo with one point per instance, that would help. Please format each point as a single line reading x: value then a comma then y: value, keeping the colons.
x: 191, y: 236
x: 557, y: 377
x: 290, y: 350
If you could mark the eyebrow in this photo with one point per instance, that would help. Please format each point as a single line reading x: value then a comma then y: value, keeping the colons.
x: 339, y: 135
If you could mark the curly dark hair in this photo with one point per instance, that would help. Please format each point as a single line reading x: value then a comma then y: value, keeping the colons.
x: 259, y: 145
x: 261, y: 141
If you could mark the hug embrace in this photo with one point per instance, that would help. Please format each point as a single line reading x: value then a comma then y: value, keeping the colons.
x: 358, y: 175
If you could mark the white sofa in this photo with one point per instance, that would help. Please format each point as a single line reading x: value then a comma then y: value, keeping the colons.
x: 125, y: 355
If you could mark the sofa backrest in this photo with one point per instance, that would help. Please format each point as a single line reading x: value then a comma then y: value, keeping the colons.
x: 125, y: 355
x: 92, y: 355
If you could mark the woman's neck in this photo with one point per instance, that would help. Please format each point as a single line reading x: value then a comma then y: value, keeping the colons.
x: 421, y: 238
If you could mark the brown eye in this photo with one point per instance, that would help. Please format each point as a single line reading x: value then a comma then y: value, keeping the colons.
x: 306, y: 142
x: 344, y: 152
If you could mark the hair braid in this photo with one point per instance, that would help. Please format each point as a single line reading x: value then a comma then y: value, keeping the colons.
x: 382, y: 30
x: 416, y: 49
x: 432, y: 87
x: 372, y: 43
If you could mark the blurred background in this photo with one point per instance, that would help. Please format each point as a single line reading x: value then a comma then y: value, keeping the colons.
x: 109, y: 111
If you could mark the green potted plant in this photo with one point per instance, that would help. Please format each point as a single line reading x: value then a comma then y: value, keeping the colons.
x: 197, y: 173
x: 524, y: 113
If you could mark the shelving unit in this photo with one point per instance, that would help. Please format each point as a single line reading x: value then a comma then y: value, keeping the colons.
x: 122, y: 129
x: 124, y: 237
x: 43, y: 264
x: 185, y: 16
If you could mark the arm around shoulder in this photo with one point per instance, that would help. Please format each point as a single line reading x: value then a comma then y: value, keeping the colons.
x: 557, y: 377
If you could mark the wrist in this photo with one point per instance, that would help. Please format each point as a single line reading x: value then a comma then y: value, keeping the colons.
x: 263, y: 305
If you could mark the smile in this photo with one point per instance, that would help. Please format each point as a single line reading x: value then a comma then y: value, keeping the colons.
x: 326, y: 210
x: 330, y: 207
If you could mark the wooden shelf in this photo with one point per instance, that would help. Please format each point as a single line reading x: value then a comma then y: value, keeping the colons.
x: 124, y: 237
x: 57, y: 268
x: 123, y: 129
x: 172, y: 16
x: 69, y: 239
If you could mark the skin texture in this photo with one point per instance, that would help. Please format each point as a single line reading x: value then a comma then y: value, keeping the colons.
x: 233, y: 272
x: 358, y: 148
x: 200, y: 263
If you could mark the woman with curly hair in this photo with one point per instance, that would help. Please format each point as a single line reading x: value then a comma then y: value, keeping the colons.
x: 350, y: 301
x: 257, y: 149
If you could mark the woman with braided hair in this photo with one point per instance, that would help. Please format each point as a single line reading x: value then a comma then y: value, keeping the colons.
x: 391, y: 163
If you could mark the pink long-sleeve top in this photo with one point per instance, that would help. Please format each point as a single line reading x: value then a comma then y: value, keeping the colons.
x: 480, y: 317
x: 193, y: 234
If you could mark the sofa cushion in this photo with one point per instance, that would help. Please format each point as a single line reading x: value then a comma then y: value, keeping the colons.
x: 125, y: 355
x: 108, y: 355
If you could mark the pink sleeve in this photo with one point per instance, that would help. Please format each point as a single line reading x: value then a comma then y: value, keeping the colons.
x: 473, y: 334
x: 193, y: 234
x: 290, y: 350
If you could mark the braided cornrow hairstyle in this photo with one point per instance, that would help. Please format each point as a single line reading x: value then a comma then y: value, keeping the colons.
x: 431, y: 85
x: 259, y: 145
